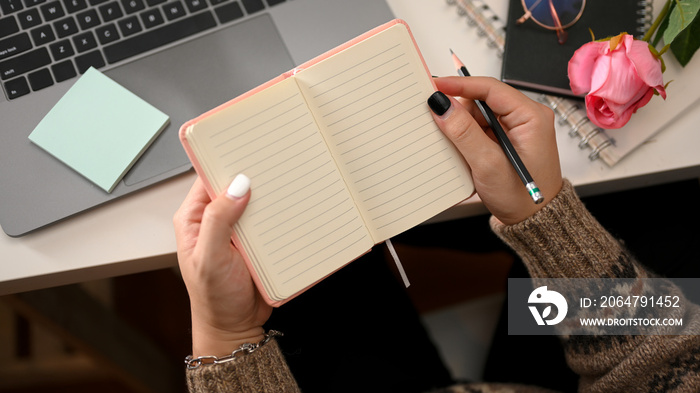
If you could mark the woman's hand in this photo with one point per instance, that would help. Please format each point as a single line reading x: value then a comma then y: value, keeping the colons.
x: 530, y: 128
x: 227, y: 309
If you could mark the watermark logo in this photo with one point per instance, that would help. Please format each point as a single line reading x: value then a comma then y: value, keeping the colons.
x: 542, y: 296
x: 600, y: 306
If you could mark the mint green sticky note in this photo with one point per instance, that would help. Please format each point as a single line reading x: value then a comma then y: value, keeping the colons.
x: 99, y: 129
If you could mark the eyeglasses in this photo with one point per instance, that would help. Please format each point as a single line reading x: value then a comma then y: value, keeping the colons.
x: 554, y: 15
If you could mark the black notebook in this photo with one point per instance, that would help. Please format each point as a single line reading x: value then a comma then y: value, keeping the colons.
x: 534, y: 60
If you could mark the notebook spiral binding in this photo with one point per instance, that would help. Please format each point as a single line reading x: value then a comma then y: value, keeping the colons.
x: 644, y: 21
x: 482, y: 17
x: 590, y: 136
x: 569, y: 112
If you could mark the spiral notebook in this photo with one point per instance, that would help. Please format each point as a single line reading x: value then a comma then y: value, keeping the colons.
x: 610, y: 146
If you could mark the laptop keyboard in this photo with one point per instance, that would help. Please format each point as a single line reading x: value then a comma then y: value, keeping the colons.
x: 43, y: 42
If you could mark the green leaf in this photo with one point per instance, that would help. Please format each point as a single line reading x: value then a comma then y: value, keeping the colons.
x: 662, y: 27
x: 687, y: 42
x: 681, y: 17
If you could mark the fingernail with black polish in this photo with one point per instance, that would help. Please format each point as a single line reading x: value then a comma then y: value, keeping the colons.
x: 439, y: 103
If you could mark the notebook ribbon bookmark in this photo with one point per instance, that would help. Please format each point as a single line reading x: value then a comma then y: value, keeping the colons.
x: 399, y: 266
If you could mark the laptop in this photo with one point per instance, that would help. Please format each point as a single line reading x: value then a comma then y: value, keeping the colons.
x: 182, y: 56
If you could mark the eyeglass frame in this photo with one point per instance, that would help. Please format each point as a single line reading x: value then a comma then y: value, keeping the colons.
x: 562, y: 35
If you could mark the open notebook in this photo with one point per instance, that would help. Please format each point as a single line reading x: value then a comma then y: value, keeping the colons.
x: 342, y: 152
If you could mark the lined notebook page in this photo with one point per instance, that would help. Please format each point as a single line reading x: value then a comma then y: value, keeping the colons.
x: 301, y: 223
x: 370, y: 101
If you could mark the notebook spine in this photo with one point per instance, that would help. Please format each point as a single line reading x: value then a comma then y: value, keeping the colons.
x: 568, y: 111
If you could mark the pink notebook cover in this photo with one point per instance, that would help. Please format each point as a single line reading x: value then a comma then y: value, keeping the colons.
x: 198, y: 168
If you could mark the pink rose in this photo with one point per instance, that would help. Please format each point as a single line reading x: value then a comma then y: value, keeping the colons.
x: 618, y: 77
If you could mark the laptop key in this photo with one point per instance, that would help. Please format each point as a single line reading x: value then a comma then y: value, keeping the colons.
x: 131, y: 6
x: 252, y: 6
x: 110, y: 11
x: 42, y: 35
x: 88, y: 19
x: 65, y: 27
x: 229, y: 12
x: 61, y: 49
x: 40, y: 79
x: 16, y: 88
x: 29, y: 18
x: 91, y: 59
x: 8, y: 26
x: 52, y: 11
x: 74, y: 5
x: 10, y: 6
x: 107, y: 33
x: 195, y: 5
x: 14, y: 45
x: 84, y: 41
x: 274, y: 2
x: 158, y: 37
x: 24, y: 63
x: 151, y: 18
x: 63, y: 71
x: 129, y: 26
x: 174, y: 10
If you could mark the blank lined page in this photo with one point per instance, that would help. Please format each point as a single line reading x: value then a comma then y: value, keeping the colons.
x: 301, y: 223
x: 370, y: 101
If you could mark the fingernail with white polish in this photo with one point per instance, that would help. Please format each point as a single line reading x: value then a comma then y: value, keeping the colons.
x: 239, y: 187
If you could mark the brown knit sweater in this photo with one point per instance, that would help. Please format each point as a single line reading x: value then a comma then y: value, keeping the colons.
x: 561, y: 240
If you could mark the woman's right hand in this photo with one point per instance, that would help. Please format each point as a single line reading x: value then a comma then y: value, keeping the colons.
x: 530, y: 128
x: 227, y: 309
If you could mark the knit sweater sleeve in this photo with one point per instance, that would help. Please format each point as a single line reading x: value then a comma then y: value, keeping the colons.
x: 565, y: 240
x: 264, y: 370
x: 561, y: 240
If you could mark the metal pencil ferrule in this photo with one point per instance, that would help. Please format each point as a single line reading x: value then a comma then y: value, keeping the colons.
x: 534, y: 192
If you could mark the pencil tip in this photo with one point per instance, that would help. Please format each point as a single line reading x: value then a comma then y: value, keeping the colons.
x: 451, y: 51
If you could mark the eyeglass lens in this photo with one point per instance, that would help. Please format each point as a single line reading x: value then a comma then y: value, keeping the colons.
x: 567, y: 10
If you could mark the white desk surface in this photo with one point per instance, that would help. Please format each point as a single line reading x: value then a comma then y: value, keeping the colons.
x: 135, y: 233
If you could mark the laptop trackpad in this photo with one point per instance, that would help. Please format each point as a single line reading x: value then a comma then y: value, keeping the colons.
x: 187, y: 80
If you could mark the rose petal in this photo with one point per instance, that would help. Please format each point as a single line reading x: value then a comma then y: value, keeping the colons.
x: 601, y: 114
x: 602, y: 70
x: 623, y: 85
x: 661, y: 90
x: 647, y: 66
x: 644, y: 100
x: 581, y: 65
x: 597, y: 112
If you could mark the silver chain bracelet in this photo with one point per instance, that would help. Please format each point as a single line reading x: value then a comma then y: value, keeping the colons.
x: 244, y: 349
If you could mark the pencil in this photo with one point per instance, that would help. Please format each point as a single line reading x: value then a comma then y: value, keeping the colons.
x: 503, y: 140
